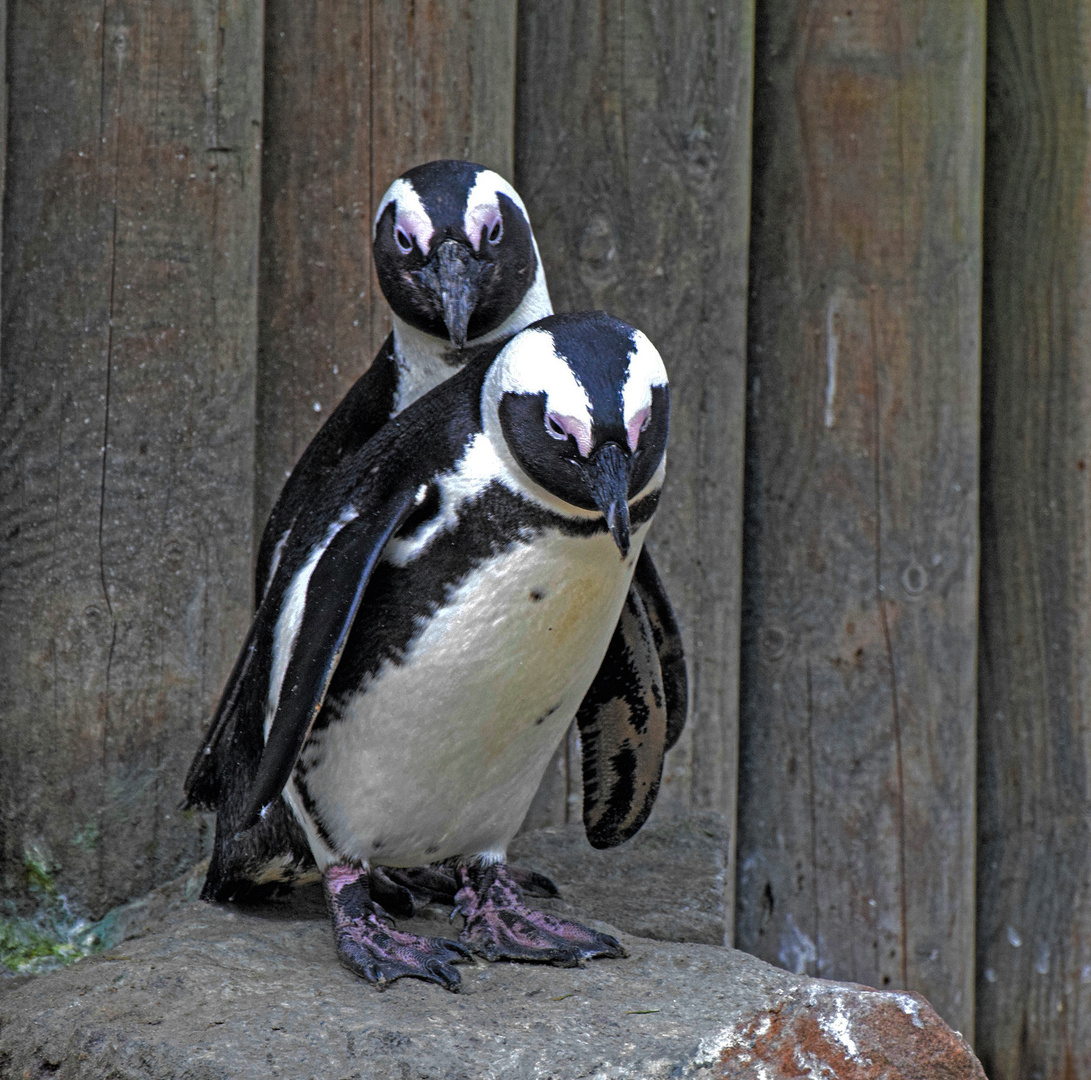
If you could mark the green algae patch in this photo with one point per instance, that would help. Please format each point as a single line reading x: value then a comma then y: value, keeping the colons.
x: 53, y: 936
x: 34, y: 946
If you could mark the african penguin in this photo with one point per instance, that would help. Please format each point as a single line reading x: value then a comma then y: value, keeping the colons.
x: 434, y: 624
x: 457, y: 260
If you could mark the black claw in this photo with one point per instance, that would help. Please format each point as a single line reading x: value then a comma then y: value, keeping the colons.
x: 394, y: 896
x: 426, y: 883
x: 530, y: 881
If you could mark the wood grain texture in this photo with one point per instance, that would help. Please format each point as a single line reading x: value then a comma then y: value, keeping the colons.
x: 632, y: 153
x: 356, y: 92
x: 856, y: 804
x: 1034, y: 809
x: 126, y: 423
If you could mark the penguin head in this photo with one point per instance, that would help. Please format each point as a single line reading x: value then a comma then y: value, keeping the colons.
x: 584, y: 409
x: 453, y: 250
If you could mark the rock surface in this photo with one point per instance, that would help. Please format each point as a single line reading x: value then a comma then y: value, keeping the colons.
x: 208, y: 992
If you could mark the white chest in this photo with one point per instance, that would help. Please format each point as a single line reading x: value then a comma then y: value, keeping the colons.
x: 441, y: 755
x: 422, y: 364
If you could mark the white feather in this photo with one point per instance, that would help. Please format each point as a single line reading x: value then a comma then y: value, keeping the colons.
x: 441, y: 755
x: 529, y: 364
x: 481, y: 198
x: 409, y: 212
x: 286, y: 631
x: 277, y: 552
x: 646, y: 370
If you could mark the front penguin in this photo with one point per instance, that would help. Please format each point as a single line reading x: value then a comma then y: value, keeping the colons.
x: 428, y: 638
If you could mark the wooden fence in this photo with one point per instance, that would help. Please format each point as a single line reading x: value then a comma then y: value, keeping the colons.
x: 859, y: 232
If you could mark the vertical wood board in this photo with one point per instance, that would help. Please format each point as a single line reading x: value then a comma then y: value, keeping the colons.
x: 856, y: 804
x: 1034, y: 809
x: 357, y: 91
x: 126, y: 424
x: 633, y: 153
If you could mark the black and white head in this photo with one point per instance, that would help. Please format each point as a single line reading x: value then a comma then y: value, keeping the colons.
x: 579, y: 406
x: 455, y: 254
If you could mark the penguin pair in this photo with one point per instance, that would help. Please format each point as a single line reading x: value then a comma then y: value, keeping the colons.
x: 443, y: 591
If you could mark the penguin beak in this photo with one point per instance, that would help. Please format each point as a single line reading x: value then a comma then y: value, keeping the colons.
x: 453, y: 276
x: 608, y: 473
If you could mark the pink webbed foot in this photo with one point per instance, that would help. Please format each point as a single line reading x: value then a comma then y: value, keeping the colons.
x: 368, y: 944
x: 500, y: 926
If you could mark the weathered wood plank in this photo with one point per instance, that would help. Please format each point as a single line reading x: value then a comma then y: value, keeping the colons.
x: 126, y: 423
x: 633, y: 152
x: 1034, y: 809
x: 357, y: 91
x: 856, y: 806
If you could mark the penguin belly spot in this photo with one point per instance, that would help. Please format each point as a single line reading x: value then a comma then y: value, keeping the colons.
x: 441, y: 754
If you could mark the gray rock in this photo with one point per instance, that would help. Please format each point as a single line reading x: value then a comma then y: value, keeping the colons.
x: 208, y: 992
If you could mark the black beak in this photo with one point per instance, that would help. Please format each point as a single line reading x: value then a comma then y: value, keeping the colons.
x: 453, y: 275
x: 608, y: 472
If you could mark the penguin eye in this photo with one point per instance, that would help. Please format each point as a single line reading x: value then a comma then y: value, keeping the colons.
x: 401, y: 238
x: 637, y: 426
x: 554, y: 428
x: 561, y: 427
x: 496, y: 231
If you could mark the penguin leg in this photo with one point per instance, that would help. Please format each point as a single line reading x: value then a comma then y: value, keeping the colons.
x: 368, y: 944
x: 500, y: 926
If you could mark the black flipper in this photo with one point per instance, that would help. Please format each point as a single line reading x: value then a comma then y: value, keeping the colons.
x: 668, y: 643
x: 202, y: 783
x: 362, y: 411
x: 328, y: 612
x: 623, y: 731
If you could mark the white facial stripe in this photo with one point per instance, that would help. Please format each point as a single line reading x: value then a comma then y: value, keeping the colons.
x: 646, y: 370
x: 487, y: 186
x: 483, y: 206
x: 409, y: 213
x: 529, y: 364
x: 509, y: 472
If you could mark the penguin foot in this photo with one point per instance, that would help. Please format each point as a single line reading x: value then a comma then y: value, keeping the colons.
x: 368, y: 944
x: 500, y: 926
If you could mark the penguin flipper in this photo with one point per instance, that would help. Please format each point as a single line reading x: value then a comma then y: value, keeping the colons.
x: 668, y: 643
x: 361, y: 413
x: 322, y: 628
x: 623, y: 725
x: 201, y: 786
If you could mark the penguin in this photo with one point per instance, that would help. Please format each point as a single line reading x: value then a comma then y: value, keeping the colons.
x: 456, y: 259
x: 435, y: 623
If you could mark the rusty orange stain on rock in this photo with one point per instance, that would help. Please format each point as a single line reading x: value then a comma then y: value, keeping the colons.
x: 847, y: 1032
